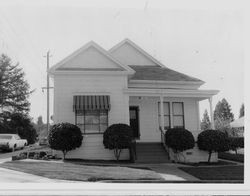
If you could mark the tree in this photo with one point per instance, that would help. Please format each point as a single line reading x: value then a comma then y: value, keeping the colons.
x: 242, y: 110
x: 223, y: 115
x: 236, y: 143
x: 179, y: 139
x: 118, y: 137
x: 213, y: 141
x: 21, y: 124
x: 65, y: 137
x: 14, y: 89
x: 205, y: 123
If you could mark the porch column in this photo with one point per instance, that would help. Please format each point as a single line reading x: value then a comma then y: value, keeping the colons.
x: 162, y: 113
x: 211, y: 112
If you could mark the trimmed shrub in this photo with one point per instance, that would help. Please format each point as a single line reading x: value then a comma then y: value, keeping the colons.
x: 213, y: 141
x: 65, y: 137
x: 118, y: 137
x: 179, y: 139
x: 235, y: 143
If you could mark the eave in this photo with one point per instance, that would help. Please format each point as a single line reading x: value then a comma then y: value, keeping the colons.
x: 192, y: 93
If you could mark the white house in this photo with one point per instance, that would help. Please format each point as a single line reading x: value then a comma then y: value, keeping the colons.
x: 238, y: 127
x: 95, y: 88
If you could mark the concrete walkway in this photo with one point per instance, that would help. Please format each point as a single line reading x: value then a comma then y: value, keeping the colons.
x: 171, y: 172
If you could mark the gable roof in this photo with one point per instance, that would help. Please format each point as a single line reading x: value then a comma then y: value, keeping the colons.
x: 136, y: 47
x: 160, y: 74
x: 60, y: 65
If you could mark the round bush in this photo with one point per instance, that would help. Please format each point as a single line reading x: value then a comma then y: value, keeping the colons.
x: 65, y: 137
x: 213, y: 141
x: 118, y: 137
x: 235, y: 143
x: 179, y: 139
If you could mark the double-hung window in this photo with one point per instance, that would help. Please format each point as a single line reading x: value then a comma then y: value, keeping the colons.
x: 92, y: 121
x: 178, y: 115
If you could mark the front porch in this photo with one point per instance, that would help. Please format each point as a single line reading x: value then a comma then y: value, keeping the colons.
x: 153, y: 111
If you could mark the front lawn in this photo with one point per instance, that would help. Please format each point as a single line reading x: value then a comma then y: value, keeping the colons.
x: 231, y: 157
x: 216, y: 173
x: 76, y: 172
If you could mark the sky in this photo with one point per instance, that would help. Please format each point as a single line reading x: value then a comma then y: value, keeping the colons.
x: 203, y: 39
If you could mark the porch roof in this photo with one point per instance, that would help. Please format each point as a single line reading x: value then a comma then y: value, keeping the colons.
x: 192, y: 93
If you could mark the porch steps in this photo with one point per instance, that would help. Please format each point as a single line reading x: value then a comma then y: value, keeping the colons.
x: 151, y: 153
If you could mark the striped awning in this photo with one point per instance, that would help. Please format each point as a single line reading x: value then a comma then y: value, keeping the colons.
x: 91, y: 102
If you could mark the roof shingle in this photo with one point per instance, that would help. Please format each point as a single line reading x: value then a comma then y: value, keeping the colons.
x: 160, y: 74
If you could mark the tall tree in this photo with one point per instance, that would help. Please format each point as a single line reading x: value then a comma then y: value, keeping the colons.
x: 205, y: 123
x: 14, y: 89
x: 242, y: 110
x: 21, y: 124
x: 223, y: 115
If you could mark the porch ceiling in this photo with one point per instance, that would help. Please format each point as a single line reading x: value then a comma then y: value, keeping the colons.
x: 192, y: 93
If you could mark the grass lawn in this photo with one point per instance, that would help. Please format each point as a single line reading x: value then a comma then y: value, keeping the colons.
x: 232, y: 157
x: 216, y: 173
x: 76, y: 172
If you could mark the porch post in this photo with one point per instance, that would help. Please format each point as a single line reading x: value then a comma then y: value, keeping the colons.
x: 162, y: 113
x: 211, y: 112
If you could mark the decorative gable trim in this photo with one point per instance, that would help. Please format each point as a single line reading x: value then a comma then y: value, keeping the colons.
x: 56, y: 67
x: 117, y: 46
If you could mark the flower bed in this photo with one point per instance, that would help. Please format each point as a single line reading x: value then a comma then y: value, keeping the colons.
x: 38, y: 155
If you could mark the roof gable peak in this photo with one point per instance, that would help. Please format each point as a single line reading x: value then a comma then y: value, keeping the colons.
x: 136, y: 47
x: 84, y: 48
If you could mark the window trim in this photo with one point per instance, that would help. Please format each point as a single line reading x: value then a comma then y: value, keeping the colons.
x: 169, y: 115
x: 84, y: 124
x: 183, y: 115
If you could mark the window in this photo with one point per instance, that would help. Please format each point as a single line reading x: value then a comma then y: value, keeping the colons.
x: 92, y: 121
x: 166, y: 112
x: 178, y: 115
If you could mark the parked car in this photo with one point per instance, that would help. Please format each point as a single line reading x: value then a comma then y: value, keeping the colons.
x: 12, y: 142
x: 43, y: 141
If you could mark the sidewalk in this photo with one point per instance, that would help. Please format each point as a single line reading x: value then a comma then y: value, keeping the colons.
x: 171, y: 172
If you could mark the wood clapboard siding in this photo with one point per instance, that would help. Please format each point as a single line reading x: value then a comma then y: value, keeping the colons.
x: 92, y: 148
x: 68, y: 85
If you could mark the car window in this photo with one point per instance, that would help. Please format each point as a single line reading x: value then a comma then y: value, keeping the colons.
x: 5, y: 137
x: 17, y: 137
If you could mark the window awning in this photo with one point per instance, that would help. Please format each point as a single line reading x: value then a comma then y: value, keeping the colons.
x: 91, y: 102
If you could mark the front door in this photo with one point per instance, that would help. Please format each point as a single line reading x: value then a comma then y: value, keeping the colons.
x: 134, y: 120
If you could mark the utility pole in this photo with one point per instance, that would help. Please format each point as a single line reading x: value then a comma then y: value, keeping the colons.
x: 47, y: 88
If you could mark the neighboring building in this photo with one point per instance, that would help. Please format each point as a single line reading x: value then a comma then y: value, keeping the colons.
x: 95, y: 88
x: 238, y: 127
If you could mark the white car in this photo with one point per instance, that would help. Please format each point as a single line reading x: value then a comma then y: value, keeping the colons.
x: 12, y: 142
